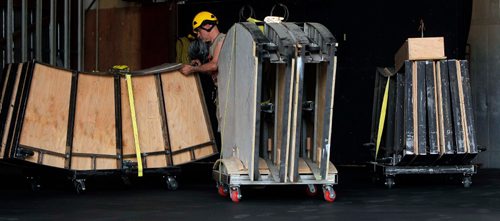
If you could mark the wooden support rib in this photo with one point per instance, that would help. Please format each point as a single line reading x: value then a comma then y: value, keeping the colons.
x: 415, y: 107
x: 462, y: 106
x: 439, y: 105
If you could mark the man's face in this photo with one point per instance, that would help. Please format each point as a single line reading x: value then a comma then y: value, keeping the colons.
x: 202, y: 33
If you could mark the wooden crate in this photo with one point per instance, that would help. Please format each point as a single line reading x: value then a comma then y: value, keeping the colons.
x: 420, y: 49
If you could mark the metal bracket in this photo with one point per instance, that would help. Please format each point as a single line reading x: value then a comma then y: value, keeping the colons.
x: 23, y: 153
x: 308, y: 106
x: 128, y: 164
x: 267, y: 108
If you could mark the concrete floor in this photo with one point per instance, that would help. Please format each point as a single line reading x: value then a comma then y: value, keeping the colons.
x: 413, y: 198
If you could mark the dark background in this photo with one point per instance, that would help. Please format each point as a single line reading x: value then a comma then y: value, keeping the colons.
x: 374, y: 31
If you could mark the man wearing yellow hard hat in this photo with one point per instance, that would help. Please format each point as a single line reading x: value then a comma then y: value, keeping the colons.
x: 205, y: 27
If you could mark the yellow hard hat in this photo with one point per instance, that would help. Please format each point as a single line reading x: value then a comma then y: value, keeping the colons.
x: 202, y: 18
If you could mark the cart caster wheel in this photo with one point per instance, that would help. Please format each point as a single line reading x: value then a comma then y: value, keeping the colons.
x: 234, y: 197
x: 79, y: 185
x: 222, y: 190
x: 329, y: 194
x: 34, y: 184
x: 171, y: 183
x: 467, y: 181
x: 311, y: 190
x: 389, y: 182
x: 235, y: 194
x: 126, y: 181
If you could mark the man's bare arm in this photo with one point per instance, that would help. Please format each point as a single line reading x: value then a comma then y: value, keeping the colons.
x: 209, y: 67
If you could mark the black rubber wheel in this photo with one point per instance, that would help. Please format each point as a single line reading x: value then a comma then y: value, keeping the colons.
x: 171, y: 183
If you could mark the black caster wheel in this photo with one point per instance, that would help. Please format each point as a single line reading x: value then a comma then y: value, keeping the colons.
x: 467, y: 181
x: 79, y: 185
x: 171, y: 183
x: 34, y: 183
x: 389, y: 182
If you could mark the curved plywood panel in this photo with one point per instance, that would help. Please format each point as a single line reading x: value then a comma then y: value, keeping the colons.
x: 46, y: 118
x: 188, y: 124
x: 82, y: 121
x: 149, y: 121
x: 10, y: 83
x: 94, y: 129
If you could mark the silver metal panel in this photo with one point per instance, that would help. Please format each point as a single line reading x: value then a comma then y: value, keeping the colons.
x: 225, y: 90
x: 245, y: 82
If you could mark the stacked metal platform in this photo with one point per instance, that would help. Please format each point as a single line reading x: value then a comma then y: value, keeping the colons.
x: 430, y: 125
x: 275, y: 93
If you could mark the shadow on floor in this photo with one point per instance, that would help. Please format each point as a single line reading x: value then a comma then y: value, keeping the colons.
x: 424, y: 197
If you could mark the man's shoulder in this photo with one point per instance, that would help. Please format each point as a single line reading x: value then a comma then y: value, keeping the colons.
x: 221, y: 36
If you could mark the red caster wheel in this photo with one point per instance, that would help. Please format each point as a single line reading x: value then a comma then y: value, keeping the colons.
x: 235, y: 196
x: 222, y: 191
x: 330, y: 195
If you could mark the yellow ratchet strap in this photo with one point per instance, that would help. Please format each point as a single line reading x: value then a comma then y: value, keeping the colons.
x: 382, y: 116
x: 134, y: 124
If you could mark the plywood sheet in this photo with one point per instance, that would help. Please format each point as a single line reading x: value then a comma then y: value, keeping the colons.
x: 296, y: 118
x: 149, y: 120
x: 45, y: 123
x: 282, y: 113
x: 186, y: 119
x: 4, y: 82
x: 4, y: 108
x: 95, y: 129
x: 10, y: 99
x: 321, y: 85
